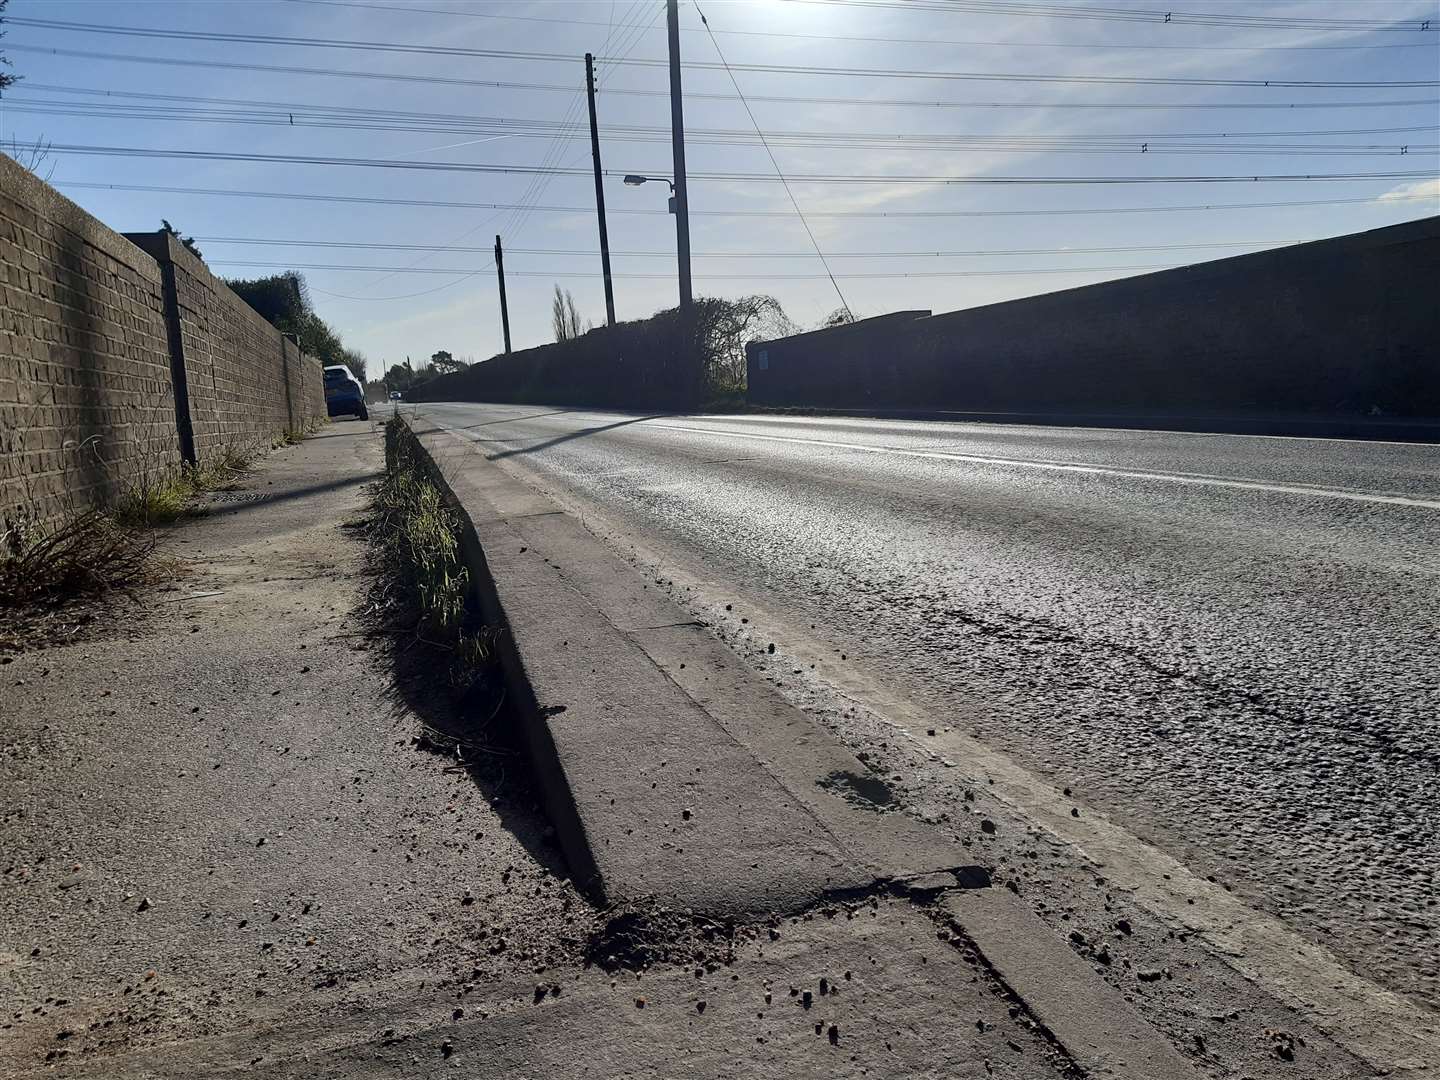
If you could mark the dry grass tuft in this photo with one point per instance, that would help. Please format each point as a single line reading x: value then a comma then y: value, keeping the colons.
x: 151, y: 503
x: 56, y: 585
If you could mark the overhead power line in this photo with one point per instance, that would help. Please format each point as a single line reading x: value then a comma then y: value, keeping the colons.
x: 402, y: 296
x: 383, y: 200
x: 727, y: 177
x: 1135, y: 15
x: 713, y: 277
x: 287, y: 109
x: 977, y: 253
x: 568, y: 132
x: 789, y: 194
x: 873, y: 40
x: 440, y: 80
x: 110, y: 30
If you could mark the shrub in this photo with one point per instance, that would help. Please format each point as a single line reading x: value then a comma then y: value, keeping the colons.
x: 663, y: 362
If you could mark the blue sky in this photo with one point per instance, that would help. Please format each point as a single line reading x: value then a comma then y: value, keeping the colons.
x: 978, y: 132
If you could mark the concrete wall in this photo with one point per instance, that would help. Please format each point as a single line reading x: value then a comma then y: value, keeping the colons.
x: 856, y: 362
x: 1335, y: 328
x: 115, y: 361
x: 637, y: 364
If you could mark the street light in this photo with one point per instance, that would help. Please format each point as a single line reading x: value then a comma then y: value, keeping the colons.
x: 633, y: 180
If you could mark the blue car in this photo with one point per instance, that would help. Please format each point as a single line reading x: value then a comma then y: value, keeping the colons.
x: 343, y: 393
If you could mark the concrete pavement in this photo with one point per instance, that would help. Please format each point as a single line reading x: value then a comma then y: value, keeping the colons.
x: 232, y: 848
x: 216, y: 822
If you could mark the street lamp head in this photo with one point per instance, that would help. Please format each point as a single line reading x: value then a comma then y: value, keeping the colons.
x: 635, y: 181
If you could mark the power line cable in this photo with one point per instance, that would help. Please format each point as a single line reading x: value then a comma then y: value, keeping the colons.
x: 776, y: 164
x: 570, y: 122
x: 1031, y: 212
x: 978, y: 253
x: 719, y: 177
x: 439, y: 80
x: 710, y: 277
x: 570, y: 132
x: 288, y: 108
x: 783, y: 69
x: 633, y: 26
x: 1160, y: 17
x: 401, y: 296
x: 936, y: 42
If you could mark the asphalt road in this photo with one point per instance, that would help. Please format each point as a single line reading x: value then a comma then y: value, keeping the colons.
x: 1228, y: 644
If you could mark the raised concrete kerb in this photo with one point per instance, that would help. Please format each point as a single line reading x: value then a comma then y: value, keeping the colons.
x: 670, y: 769
x: 1098, y: 1028
x: 674, y: 773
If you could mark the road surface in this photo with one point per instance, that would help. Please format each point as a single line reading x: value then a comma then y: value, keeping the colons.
x: 1227, y: 644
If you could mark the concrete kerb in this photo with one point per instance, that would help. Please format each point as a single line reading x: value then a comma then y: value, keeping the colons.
x: 614, y: 741
x: 544, y: 760
x: 608, y: 762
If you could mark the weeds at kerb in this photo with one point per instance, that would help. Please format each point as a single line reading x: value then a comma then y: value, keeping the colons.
x: 417, y: 540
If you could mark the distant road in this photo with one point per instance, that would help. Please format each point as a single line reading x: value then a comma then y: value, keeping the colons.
x: 1230, y: 644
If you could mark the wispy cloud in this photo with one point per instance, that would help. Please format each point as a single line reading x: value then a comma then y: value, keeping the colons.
x: 1418, y: 189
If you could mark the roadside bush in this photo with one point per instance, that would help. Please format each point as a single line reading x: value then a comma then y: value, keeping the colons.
x: 663, y: 362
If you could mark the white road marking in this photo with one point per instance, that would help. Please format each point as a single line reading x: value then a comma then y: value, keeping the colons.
x: 1061, y: 466
x: 969, y: 420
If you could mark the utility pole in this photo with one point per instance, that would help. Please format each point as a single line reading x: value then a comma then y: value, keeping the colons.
x: 677, y: 140
x: 599, y: 192
x: 504, y: 310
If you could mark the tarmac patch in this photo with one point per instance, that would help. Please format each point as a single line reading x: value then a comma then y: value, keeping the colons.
x: 864, y: 791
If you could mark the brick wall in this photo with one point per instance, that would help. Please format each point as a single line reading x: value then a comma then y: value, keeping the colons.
x: 85, y: 394
x: 244, y: 381
x: 122, y: 357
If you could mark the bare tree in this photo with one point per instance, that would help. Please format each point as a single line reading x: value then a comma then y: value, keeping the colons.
x: 724, y: 327
x: 841, y: 316
x: 6, y: 79
x: 32, y: 156
x: 565, y: 316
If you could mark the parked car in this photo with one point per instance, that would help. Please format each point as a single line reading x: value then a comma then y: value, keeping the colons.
x: 394, y: 395
x: 343, y: 393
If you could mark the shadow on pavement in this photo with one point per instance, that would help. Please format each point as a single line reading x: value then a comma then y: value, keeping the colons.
x: 227, y: 509
x: 582, y: 433
x: 513, y: 419
x: 465, y: 731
